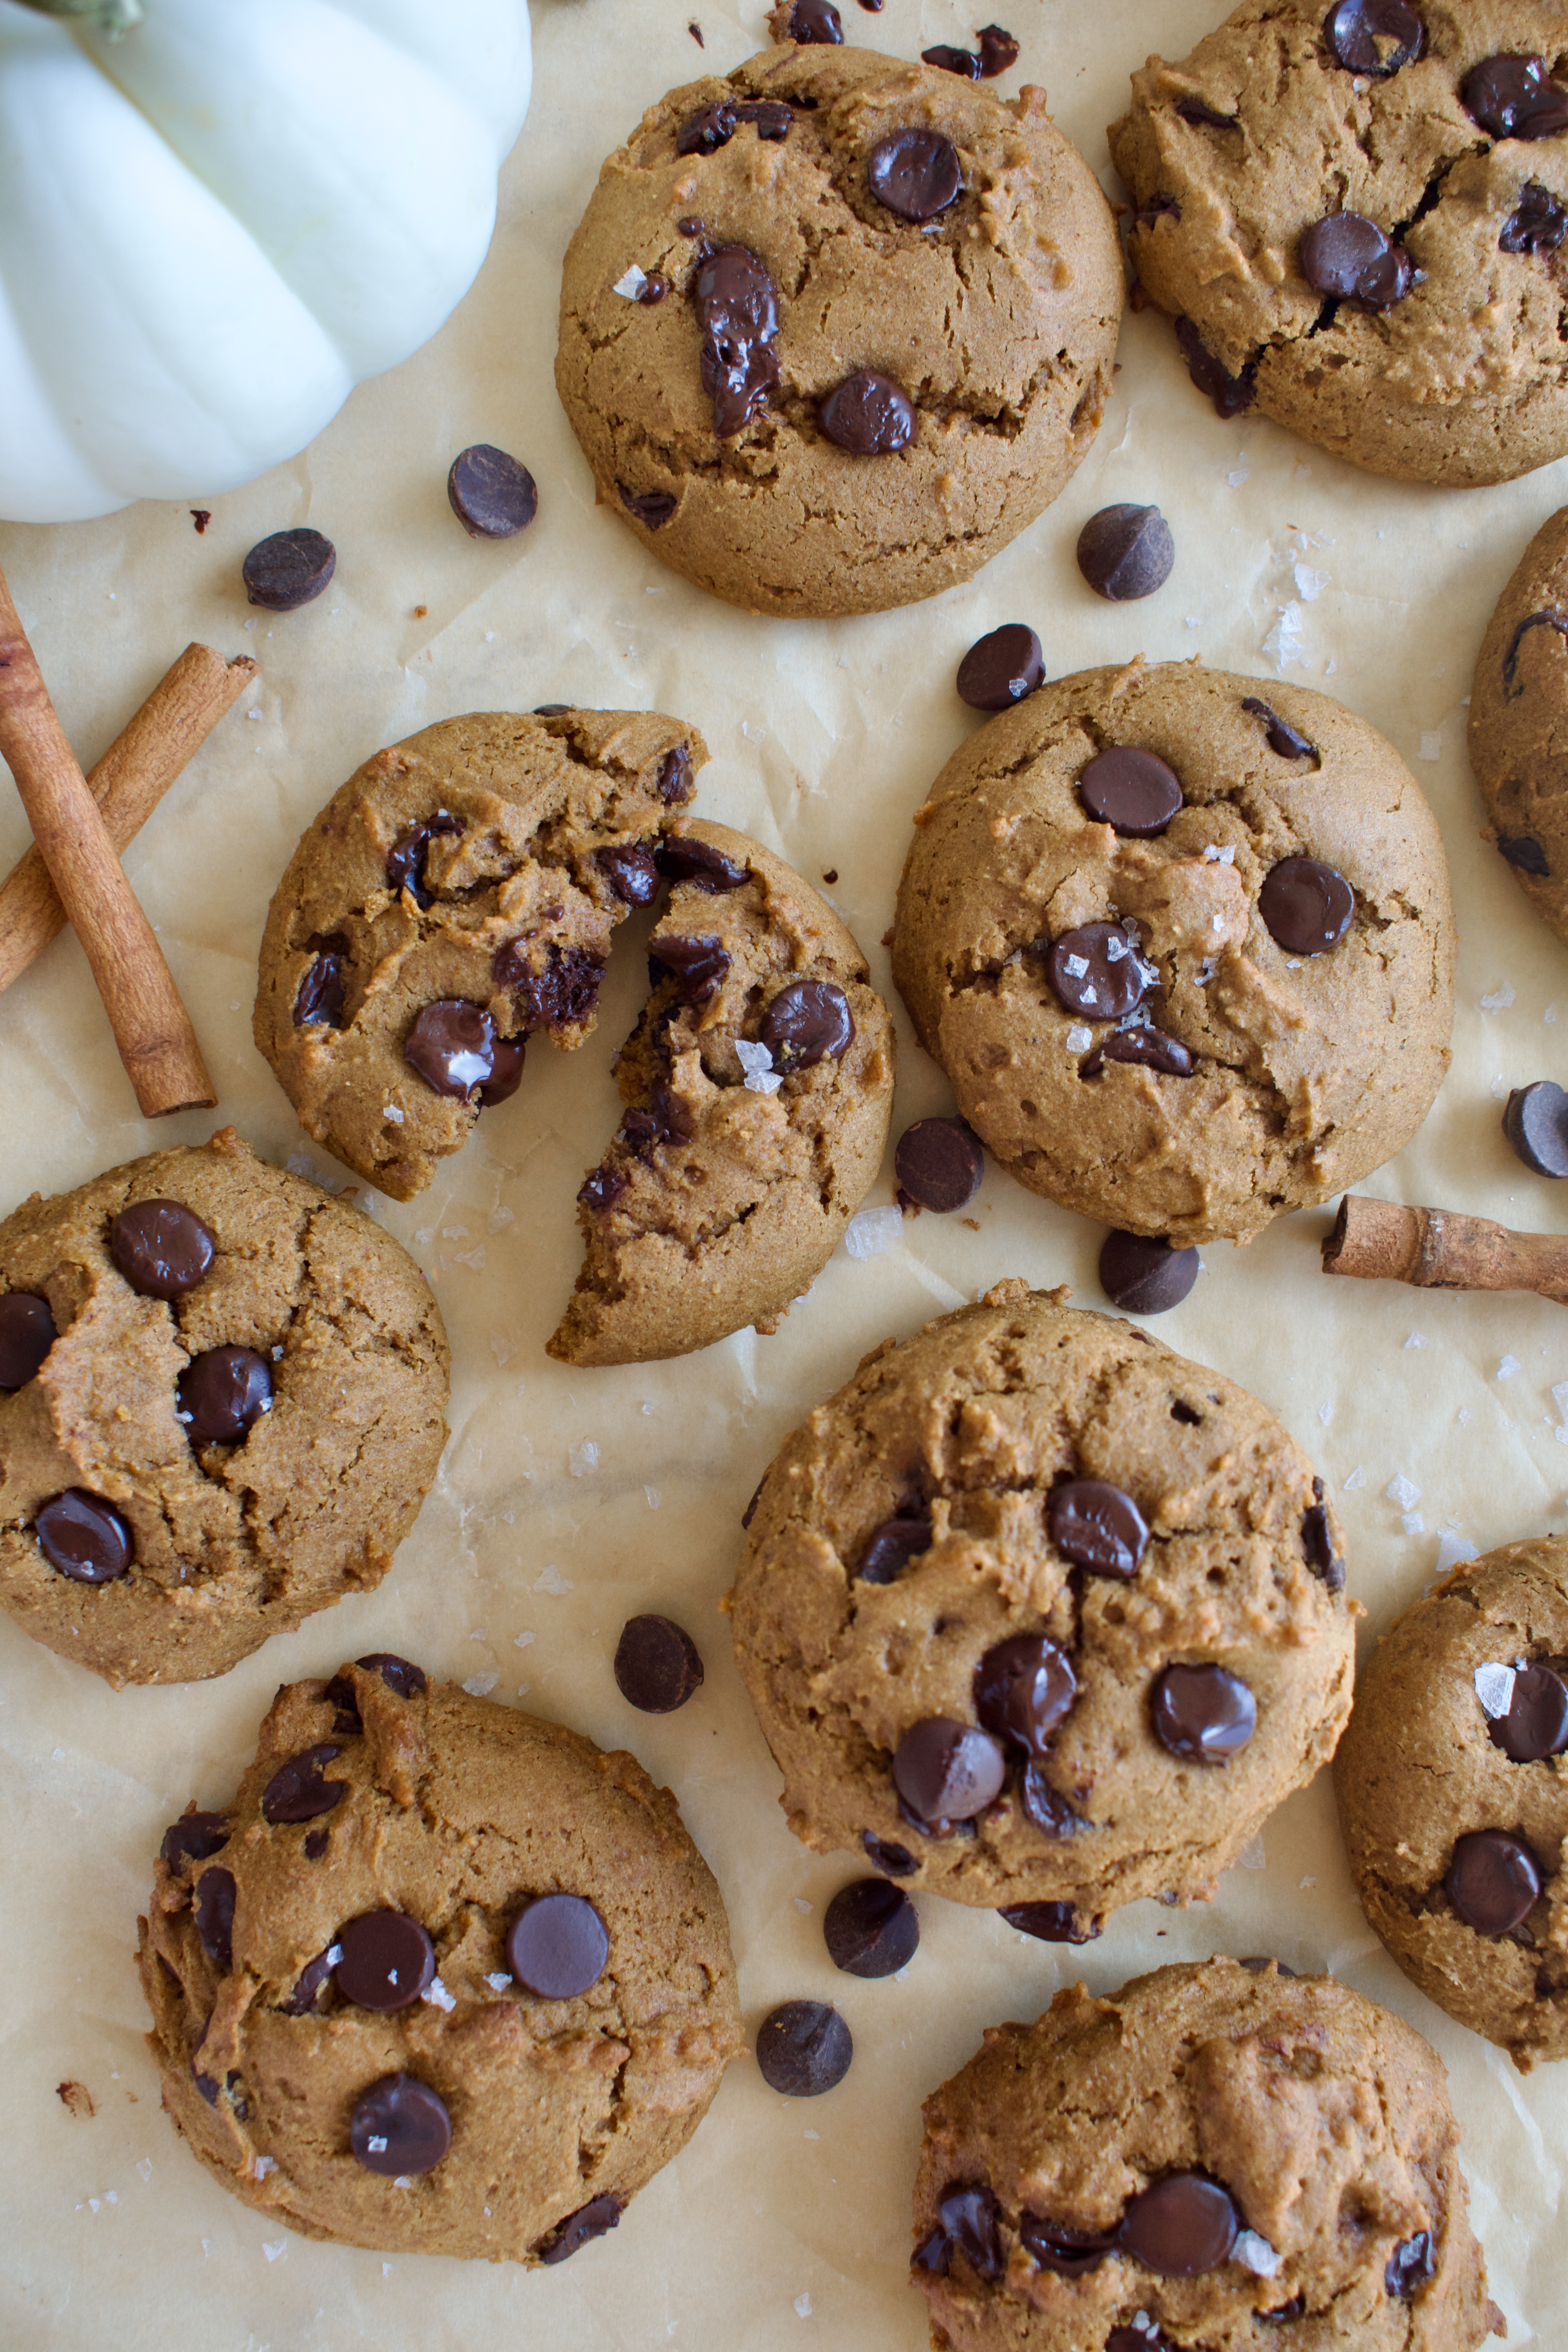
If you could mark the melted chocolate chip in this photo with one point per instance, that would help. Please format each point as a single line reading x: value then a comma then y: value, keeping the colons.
x: 1513, y: 98
x: 1306, y: 906
x: 1536, y: 1123
x: 398, y: 1673
x: 998, y: 51
x: 400, y: 2125
x: 1346, y: 255
x: 804, y: 2048
x: 1048, y: 1923
x: 1536, y: 1724
x: 451, y: 1045
x: 683, y: 858
x: 1098, y: 970
x: 868, y: 415
x: 601, y: 1188
x: 309, y: 1983
x: 1318, y: 1546
x: 939, y: 1165
x: 591, y: 2221
x: 561, y: 996
x: 1537, y: 223
x: 1411, y: 2265
x: 298, y: 1790
x: 806, y: 1023
x: 288, y: 570
x: 1146, y: 1278
x: 1259, y: 1964
x: 1097, y: 1527
x: 492, y: 495
x: 696, y: 965
x: 1182, y: 2226
x: 915, y: 172
x: 1047, y: 1807
x: 160, y: 1247
x: 213, y: 1911
x: 319, y: 999
x: 933, y: 2254
x: 1282, y: 739
x: 652, y: 508
x: 1071, y: 2253
x: 891, y: 1546
x: 406, y: 860
x: 316, y: 1843
x: 704, y: 132
x: 388, y: 1960
x: 27, y: 1334
x: 1151, y: 1047
x: 953, y: 61
x: 632, y: 872
x: 194, y: 1837
x: 871, y: 1928
x: 83, y: 1537
x: 1126, y: 551
x: 1132, y: 790
x: 557, y: 1948
x: 1374, y: 36
x: 772, y: 117
x: 658, y: 1667
x: 1202, y: 1714
x: 1526, y: 854
x: 1198, y: 110
x: 506, y: 1073
x: 1001, y: 668
x: 1024, y: 1687
x: 1493, y: 1881
x: 222, y: 1393
x: 815, y: 21
x: 1229, y: 394
x: 738, y: 310
x: 894, y: 1859
x: 947, y: 1771
x: 969, y: 2216
x: 675, y: 777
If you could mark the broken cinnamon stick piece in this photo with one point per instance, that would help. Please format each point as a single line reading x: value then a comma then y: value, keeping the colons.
x: 152, y: 1027
x: 128, y: 783
x: 1380, y: 1241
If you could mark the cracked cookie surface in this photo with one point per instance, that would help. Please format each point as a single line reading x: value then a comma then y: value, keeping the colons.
x: 229, y: 1541
x: 1233, y: 155
x: 1304, y: 1071
x: 1519, y: 722
x: 995, y: 317
x: 908, y: 1528
x: 1285, y: 2143
x: 379, y: 1794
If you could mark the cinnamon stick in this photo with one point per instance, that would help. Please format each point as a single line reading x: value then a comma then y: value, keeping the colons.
x: 128, y: 783
x: 1380, y: 1241
x: 152, y: 1027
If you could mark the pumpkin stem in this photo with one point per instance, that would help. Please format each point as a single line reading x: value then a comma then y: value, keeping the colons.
x: 111, y: 17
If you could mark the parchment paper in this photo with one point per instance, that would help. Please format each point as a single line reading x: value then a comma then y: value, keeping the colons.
x: 567, y: 1499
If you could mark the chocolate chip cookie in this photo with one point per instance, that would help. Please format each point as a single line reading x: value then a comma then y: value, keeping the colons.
x: 439, y: 1978
x: 222, y: 1398
x: 1183, y: 943
x: 1452, y: 1792
x: 1355, y: 213
x: 1519, y: 722
x: 835, y: 329
x: 759, y: 1085
x: 452, y: 899
x: 1038, y: 1615
x: 1214, y: 2153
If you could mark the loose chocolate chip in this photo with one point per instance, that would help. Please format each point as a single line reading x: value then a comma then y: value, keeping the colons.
x: 298, y: 1790
x: 1537, y: 225
x: 83, y: 1537
x: 309, y: 1983
x: 933, y: 2254
x: 915, y: 172
x: 288, y: 570
x: 1133, y: 791
x: 868, y: 415
x: 952, y: 61
x: 506, y: 1073
x: 894, y: 1859
x: 194, y: 1837
x: 939, y: 1165
x: 601, y: 1188
x: 683, y: 858
x: 589, y: 2222
x: 804, y: 2048
x: 388, y: 1960
x: 737, y: 309
x: 319, y: 999
x: 1126, y: 551
x: 658, y: 1667
x: 1146, y: 1278
x: 1182, y: 2226
x: 1048, y: 1923
x: 1071, y: 2253
x: 1202, y: 1715
x: 998, y: 51
x: 1097, y: 1527
x: 632, y: 872
x: 400, y: 2127
x: 1046, y: 1806
x: 1374, y: 36
x: 27, y: 1334
x: 1527, y: 855
x: 223, y: 1393
x: 696, y: 965
x: 1023, y: 1689
x: 891, y: 1546
x: 947, y: 1771
x: 451, y: 1045
x: 815, y: 20
x: 871, y: 1929
x: 160, y: 1247
x: 1413, y: 2261
x: 1153, y: 1048
x: 706, y: 132
x: 1099, y: 971
x: 807, y: 1023
x: 1318, y: 1548
x: 1281, y: 738
x: 1001, y: 668
x: 652, y: 508
x: 1536, y: 1123
x: 1346, y: 255
x: 1306, y: 906
x: 1198, y: 110
x: 493, y: 496
x: 1493, y: 1881
x: 556, y: 1947
x: 1536, y: 1724
x: 1513, y: 98
x: 969, y: 2215
x: 1230, y: 393
x: 214, y: 1908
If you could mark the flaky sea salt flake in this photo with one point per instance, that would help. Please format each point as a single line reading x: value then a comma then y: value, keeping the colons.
x: 583, y: 1460
x: 761, y: 1077
x: 1500, y: 999
x: 1310, y: 585
x: 1252, y: 1856
x: 1402, y: 1492
x: 803, y: 2306
x: 1494, y: 1689
x: 872, y: 1232
x: 481, y: 1685
x: 436, y: 1992
x: 1417, y: 1340
x: 1507, y: 1367
x: 276, y: 2248
x: 1286, y: 642
x: 1452, y: 1548
x: 550, y: 1579
x: 1078, y: 1038
x: 498, y: 1981
x: 632, y: 284
x: 1215, y: 856
x: 1356, y: 1478
x: 1254, y: 2254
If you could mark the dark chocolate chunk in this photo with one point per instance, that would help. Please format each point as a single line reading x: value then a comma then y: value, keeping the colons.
x: 773, y: 118
x: 1139, y: 2339
x: 933, y: 2254
x: 591, y: 2221
x: 160, y: 1247
x: 1071, y: 2253
x: 675, y: 777
x: 601, y: 1187
x: 652, y: 508
x: 1259, y: 1964
x: 1537, y: 223
x: 223, y: 1393
x: 697, y: 965
x: 1513, y: 98
x: 1099, y: 971
x: 815, y: 20
x: 298, y: 1790
x: 1154, y: 1048
x: 683, y: 858
x: 1536, y: 1724
x: 563, y: 996
x: 1048, y: 1923
x: 915, y: 172
x: 1536, y: 1123
x: 1001, y: 668
x: 969, y: 2215
x: 493, y: 496
x: 939, y: 1165
x: 398, y: 1673
x: 1374, y: 36
x: 1230, y: 393
x: 891, y: 1546
x: 1097, y: 1527
x: 947, y: 1771
x: 81, y: 1535
x: 953, y: 61
x: 1181, y: 2227
x: 551, y: 710
x: 319, y: 999
x: 667, y: 1120
x: 1024, y: 1687
x: 316, y: 1843
x: 807, y: 1023
x: 804, y: 2048
x: 894, y: 1859
x: 213, y: 1911
x: 1198, y: 110
x: 1493, y: 1881
x: 998, y: 50
x: 1306, y: 906
x: 868, y: 415
x: 27, y: 1334
x: 658, y: 1667
x: 871, y: 1929
x: 1047, y: 1807
x: 1319, y: 1548
x: 506, y: 1072
x: 738, y: 310
x: 1133, y: 791
x: 400, y: 2125
x: 1202, y: 1714
x: 407, y: 859
x: 1527, y: 855
x: 1282, y: 739
x: 1411, y: 2265
x: 311, y: 1978
x: 632, y: 872
x: 1126, y: 551
x: 706, y: 132
x: 1346, y: 255
x: 288, y: 570
x: 1146, y: 1278
x: 194, y: 1837
x: 556, y: 1947
x: 388, y: 1960
x: 452, y: 1046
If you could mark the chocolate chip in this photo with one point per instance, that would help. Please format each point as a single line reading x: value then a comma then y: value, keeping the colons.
x: 1536, y: 1724
x: 704, y: 132
x: 1537, y: 225
x: 1536, y: 1123
x: 891, y: 1546
x: 1346, y: 255
x: 675, y: 777
x: 654, y: 288
x: 27, y: 1334
x: 998, y: 51
x: 214, y: 1910
x: 815, y: 20
x: 697, y: 965
x: 1198, y: 110
x: 1146, y: 1278
x: 933, y: 2254
x: 1513, y: 98
x: 894, y: 1859
x: 1230, y: 393
x: 969, y: 2215
x: 871, y: 1928
x: 1151, y: 1047
x: 1493, y: 1881
x: 1282, y: 739
x: 398, y: 1673
x: 1132, y: 790
x: 556, y: 1947
x: 601, y: 1188
x: 506, y: 1073
x: 319, y: 999
x: 807, y: 1023
x: 1046, y: 1806
x: 774, y: 116
x: 551, y: 710
x: 1527, y: 855
x: 947, y: 1771
x: 658, y: 1667
x: 1182, y: 2226
x: 683, y: 858
x: 589, y: 2222
x: 288, y: 570
x: 1374, y: 36
x: 1098, y: 970
x: 1001, y: 668
x: 737, y: 309
x: 1097, y: 1527
x: 1138, y: 2339
x: 632, y: 872
x: 407, y: 859
x: 1126, y: 551
x: 939, y: 1165
x: 298, y: 1790
x: 652, y: 508
x: 388, y: 1960
x: 400, y: 2125
x: 563, y: 995
x: 1259, y: 1964
x: 1411, y: 2265
x: 667, y: 1122
x: 194, y: 1837
x: 1048, y: 1923
x: 160, y: 1247
x: 1157, y: 208
x: 1202, y: 1715
x: 493, y: 496
x: 83, y: 1537
x: 1023, y: 1689
x: 915, y: 172
x: 223, y: 1393
x: 804, y: 2048
x: 952, y: 61
x: 313, y: 1976
x: 1318, y: 1546
x: 868, y: 415
x: 1071, y: 2253
x: 1306, y: 906
x: 451, y: 1045
x: 316, y: 1843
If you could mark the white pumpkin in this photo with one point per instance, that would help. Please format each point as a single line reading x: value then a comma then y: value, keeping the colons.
x: 216, y: 224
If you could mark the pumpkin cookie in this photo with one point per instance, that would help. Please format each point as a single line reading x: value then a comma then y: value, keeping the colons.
x: 1356, y: 214
x: 1452, y: 1792
x: 440, y: 1978
x: 1035, y: 1613
x: 222, y: 1399
x: 835, y: 329
x: 455, y: 896
x: 1184, y: 944
x: 1215, y: 2152
x: 759, y: 1085
x: 1519, y: 722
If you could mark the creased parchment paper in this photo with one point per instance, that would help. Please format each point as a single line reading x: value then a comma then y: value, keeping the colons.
x: 568, y: 1500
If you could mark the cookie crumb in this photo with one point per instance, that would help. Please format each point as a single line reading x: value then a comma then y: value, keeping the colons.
x: 76, y: 2098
